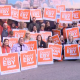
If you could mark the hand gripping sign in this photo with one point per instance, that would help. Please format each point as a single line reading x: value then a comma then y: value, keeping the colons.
x: 32, y: 45
x: 56, y: 39
x: 24, y: 15
x: 76, y: 16
x: 19, y: 33
x: 56, y: 50
x: 45, y: 56
x: 73, y: 31
x: 28, y: 60
x: 49, y: 14
x: 9, y: 63
x: 36, y: 13
x: 66, y: 17
x: 60, y: 8
x: 5, y: 11
x: 71, y: 51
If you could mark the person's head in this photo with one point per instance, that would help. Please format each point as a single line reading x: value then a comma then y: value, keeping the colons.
x: 70, y: 37
x: 34, y: 28
x: 78, y: 42
x: 62, y: 38
x: 6, y: 42
x: 25, y: 25
x: 18, y: 24
x: 27, y: 35
x: 34, y: 19
x: 5, y: 26
x: 21, y: 25
x: 11, y: 34
x: 57, y: 25
x: 47, y: 24
x: 39, y: 37
x: 49, y: 39
x: 74, y: 24
x: 64, y: 25
x: 42, y: 27
x: 13, y: 25
x: 3, y: 2
x: 21, y: 41
x: 70, y: 25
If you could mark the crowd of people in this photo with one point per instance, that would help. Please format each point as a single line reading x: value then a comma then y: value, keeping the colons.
x: 7, y: 26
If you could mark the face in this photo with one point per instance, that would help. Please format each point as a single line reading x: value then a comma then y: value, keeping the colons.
x: 25, y: 25
x: 34, y: 19
x: 50, y: 39
x: 79, y: 42
x: 3, y: 1
x: 21, y: 41
x: 13, y: 25
x: 6, y: 43
x: 34, y: 28
x: 62, y: 38
x: 70, y: 38
x: 39, y: 38
x: 42, y: 28
x: 48, y: 23
x: 18, y: 24
x: 27, y: 34
x: 5, y: 25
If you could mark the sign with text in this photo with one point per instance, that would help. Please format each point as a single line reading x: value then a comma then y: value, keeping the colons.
x: 66, y: 17
x: 57, y: 50
x: 49, y: 14
x: 45, y: 56
x: 28, y: 60
x: 9, y: 63
x: 36, y: 13
x: 71, y: 51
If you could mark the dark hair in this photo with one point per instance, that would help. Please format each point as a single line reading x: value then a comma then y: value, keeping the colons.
x: 33, y: 17
x: 48, y: 38
x: 38, y: 36
x: 19, y: 39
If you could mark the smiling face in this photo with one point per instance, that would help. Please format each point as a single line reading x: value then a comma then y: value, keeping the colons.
x: 6, y: 42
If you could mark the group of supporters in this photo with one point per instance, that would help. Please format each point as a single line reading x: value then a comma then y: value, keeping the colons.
x: 7, y: 26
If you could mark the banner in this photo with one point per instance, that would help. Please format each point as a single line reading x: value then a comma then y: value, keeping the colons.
x: 45, y: 56
x: 56, y: 50
x: 5, y: 11
x: 66, y: 17
x: 49, y: 14
x: 76, y: 16
x: 19, y: 33
x: 73, y: 31
x: 60, y: 8
x: 9, y: 63
x: 28, y: 60
x: 32, y: 45
x: 56, y: 39
x: 36, y: 13
x: 71, y: 51
x: 24, y: 15
x: 56, y: 31
x: 12, y: 41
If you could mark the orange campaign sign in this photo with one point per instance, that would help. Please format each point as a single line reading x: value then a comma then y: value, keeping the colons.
x: 60, y: 8
x: 24, y: 15
x: 73, y: 31
x: 49, y: 14
x: 19, y: 33
x: 45, y: 56
x: 45, y: 35
x: 66, y: 17
x: 76, y: 15
x: 14, y: 14
x: 71, y: 51
x: 55, y: 31
x: 36, y: 13
x: 12, y: 41
x: 5, y: 11
x: 9, y: 63
x: 28, y: 60
x: 32, y: 45
x: 56, y: 39
x: 57, y: 50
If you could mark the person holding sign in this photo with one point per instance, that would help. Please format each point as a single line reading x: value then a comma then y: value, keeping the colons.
x: 40, y: 42
x: 20, y: 46
x: 5, y: 47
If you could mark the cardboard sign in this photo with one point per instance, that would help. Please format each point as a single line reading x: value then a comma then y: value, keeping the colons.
x: 36, y: 13
x: 12, y: 41
x: 45, y: 35
x: 14, y: 14
x: 60, y: 8
x: 49, y: 14
x: 57, y: 50
x: 45, y: 56
x: 56, y: 39
x: 24, y: 15
x: 9, y: 63
x: 19, y: 33
x: 55, y: 31
x: 76, y: 15
x: 66, y: 17
x: 74, y: 31
x: 5, y: 11
x: 71, y: 51
x: 28, y: 60
x: 32, y: 45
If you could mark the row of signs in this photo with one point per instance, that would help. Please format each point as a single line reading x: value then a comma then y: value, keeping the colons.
x: 13, y: 62
x: 7, y: 12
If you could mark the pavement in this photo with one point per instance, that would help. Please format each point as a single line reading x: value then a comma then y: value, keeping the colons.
x: 65, y: 70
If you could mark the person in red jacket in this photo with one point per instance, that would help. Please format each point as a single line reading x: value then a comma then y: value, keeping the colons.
x: 5, y: 47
